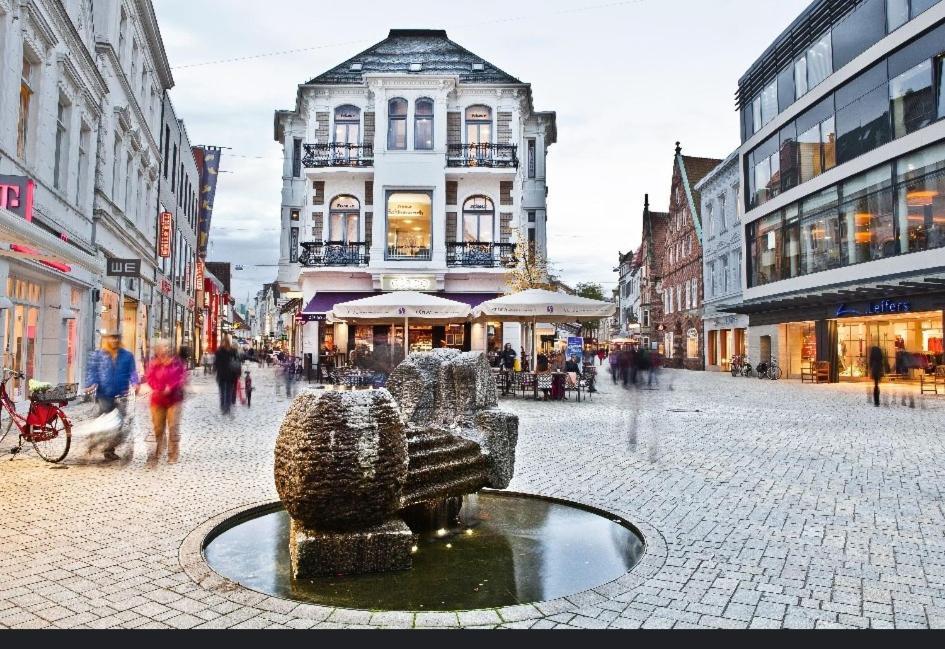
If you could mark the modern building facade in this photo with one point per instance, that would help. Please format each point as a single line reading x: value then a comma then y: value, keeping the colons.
x: 414, y: 165
x: 681, y: 277
x: 843, y: 163
x: 725, y: 333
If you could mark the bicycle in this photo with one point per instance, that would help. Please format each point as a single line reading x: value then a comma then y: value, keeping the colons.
x: 738, y: 363
x: 774, y: 371
x: 45, y: 426
x: 747, y: 369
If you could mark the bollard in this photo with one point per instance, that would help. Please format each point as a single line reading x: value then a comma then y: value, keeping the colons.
x: 923, y: 405
x: 903, y: 398
x: 912, y: 401
x: 869, y: 395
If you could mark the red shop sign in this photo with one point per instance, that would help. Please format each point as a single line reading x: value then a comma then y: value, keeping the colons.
x: 166, y: 287
x: 164, y: 238
x: 16, y: 195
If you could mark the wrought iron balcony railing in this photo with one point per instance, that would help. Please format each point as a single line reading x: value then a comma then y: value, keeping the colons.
x: 481, y: 254
x: 338, y: 154
x: 482, y: 155
x: 320, y: 254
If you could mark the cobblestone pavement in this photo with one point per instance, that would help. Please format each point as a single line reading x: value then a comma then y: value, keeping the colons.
x: 764, y: 504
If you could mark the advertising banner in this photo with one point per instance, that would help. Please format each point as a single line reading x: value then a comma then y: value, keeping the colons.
x: 576, y: 348
x: 164, y: 235
x: 208, y: 164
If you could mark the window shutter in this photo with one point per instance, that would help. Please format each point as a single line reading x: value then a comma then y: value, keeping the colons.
x: 454, y: 128
x: 321, y: 133
x: 368, y: 228
x: 504, y: 128
x: 319, y: 197
x: 369, y: 192
x: 505, y: 223
x: 505, y: 193
x: 318, y: 225
x: 451, y: 235
x: 369, y: 129
x: 452, y: 192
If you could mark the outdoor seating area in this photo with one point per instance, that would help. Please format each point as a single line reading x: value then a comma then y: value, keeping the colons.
x: 545, y: 386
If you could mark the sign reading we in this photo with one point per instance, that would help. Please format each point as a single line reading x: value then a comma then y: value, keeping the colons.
x: 124, y: 268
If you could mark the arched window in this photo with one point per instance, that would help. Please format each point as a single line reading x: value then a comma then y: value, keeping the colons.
x: 423, y: 124
x: 344, y: 219
x: 397, y: 124
x: 478, y: 220
x: 478, y: 125
x: 348, y: 125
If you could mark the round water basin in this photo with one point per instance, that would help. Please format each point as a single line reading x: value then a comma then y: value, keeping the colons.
x: 507, y: 549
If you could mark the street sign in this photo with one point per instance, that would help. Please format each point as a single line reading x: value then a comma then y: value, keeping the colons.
x: 124, y: 268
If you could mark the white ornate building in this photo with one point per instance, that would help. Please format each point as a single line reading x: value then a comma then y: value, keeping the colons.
x: 415, y: 164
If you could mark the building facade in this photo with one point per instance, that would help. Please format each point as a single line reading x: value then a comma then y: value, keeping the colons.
x: 416, y: 165
x: 627, y: 318
x: 843, y: 163
x: 725, y: 333
x: 652, y: 257
x: 682, y: 265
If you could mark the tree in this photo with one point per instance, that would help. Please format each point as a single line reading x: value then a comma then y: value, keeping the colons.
x: 593, y: 292
x: 532, y: 269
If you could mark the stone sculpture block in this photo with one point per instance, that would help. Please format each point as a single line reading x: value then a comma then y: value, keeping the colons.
x: 378, y: 548
x: 341, y: 460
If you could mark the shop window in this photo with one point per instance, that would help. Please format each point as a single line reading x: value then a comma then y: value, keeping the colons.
x: 867, y: 221
x: 912, y: 99
x: 423, y: 125
x: 409, y: 226
x: 344, y: 219
x: 397, y: 124
x: 479, y: 220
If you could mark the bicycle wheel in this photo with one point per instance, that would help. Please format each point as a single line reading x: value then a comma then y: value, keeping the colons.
x: 775, y: 373
x: 6, y: 425
x: 52, y: 441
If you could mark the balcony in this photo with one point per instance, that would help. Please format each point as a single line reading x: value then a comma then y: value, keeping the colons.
x: 318, y: 156
x: 488, y: 156
x: 409, y: 253
x: 480, y: 254
x: 317, y: 254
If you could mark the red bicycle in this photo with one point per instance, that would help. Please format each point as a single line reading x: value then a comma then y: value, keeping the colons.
x: 45, y: 426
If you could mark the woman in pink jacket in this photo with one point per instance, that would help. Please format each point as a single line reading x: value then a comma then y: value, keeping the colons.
x: 167, y: 377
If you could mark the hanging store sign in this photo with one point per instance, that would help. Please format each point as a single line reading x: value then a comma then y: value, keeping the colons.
x: 166, y: 287
x: 409, y: 283
x: 198, y: 279
x: 884, y: 307
x: 164, y: 235
x: 124, y: 268
x: 16, y: 195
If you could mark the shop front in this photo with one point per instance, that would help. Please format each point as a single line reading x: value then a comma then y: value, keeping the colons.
x: 726, y: 336
x: 904, y: 319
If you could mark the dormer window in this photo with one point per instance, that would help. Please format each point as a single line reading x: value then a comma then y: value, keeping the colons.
x: 478, y: 67
x: 397, y: 124
x: 416, y: 67
x: 423, y: 125
x: 357, y: 67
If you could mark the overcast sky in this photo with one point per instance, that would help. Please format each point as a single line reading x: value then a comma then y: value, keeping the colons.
x: 627, y: 79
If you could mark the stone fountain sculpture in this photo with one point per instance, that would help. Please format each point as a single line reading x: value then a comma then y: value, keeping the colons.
x: 351, y: 467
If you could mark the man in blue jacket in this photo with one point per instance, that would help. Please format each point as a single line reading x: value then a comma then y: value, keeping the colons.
x: 112, y: 372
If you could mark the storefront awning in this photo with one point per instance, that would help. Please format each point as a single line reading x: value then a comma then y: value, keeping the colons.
x: 18, y: 231
x: 927, y: 283
x: 324, y: 302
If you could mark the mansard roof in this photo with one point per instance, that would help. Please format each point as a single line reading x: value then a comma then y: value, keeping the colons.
x: 431, y: 48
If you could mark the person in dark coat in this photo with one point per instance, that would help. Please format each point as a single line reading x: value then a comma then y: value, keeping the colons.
x: 227, y: 366
x: 508, y: 357
x: 877, y: 370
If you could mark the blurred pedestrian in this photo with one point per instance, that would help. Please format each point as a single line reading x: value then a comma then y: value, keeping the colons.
x: 877, y: 370
x: 111, y: 372
x: 248, y: 383
x: 226, y: 364
x: 508, y: 357
x: 601, y: 355
x: 287, y: 369
x: 167, y: 377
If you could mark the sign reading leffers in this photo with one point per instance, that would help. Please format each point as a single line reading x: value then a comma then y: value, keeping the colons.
x: 409, y: 283
x: 164, y: 235
x: 16, y: 195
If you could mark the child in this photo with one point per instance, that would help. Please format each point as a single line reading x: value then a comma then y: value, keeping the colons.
x: 248, y: 383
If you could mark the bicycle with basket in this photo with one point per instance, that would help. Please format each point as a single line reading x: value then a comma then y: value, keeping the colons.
x: 46, y: 426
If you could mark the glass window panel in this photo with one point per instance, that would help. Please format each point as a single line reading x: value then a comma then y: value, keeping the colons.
x: 820, y: 242
x: 912, y: 100
x: 920, y: 6
x: 922, y: 49
x: 485, y: 227
x: 941, y: 87
x: 774, y: 183
x: 769, y: 103
x: 762, y: 179
x: 863, y: 27
x: 425, y: 107
x: 922, y: 210
x: 867, y: 227
x: 786, y: 88
x: 788, y: 157
x: 828, y: 139
x: 800, y: 77
x: 863, y: 125
x: 767, y: 249
x: 819, y: 61
x: 423, y: 133
x: 756, y: 113
x: 897, y: 13
x: 816, y: 114
x: 808, y: 146
x: 921, y: 163
x: 397, y: 135
x: 820, y: 201
x: 791, y: 256
x: 398, y: 107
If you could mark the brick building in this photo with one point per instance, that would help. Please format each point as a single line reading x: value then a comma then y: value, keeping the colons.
x: 651, y: 266
x: 681, y: 284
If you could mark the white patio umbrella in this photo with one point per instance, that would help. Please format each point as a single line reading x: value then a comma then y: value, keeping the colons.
x: 536, y: 305
x: 401, y: 305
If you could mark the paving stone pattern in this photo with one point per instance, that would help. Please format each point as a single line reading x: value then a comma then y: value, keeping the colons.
x: 776, y: 505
